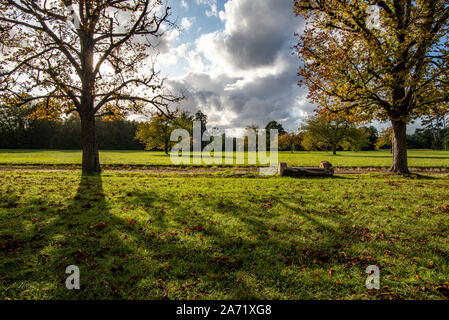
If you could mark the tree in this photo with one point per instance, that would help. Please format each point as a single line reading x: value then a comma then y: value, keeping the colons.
x: 435, y: 125
x: 356, y: 139
x: 202, y: 118
x: 251, y: 130
x: 309, y: 142
x: 118, y: 135
x: 385, y: 139
x: 84, y: 57
x: 13, y: 123
x: 395, y: 70
x: 184, y: 120
x: 273, y: 125
x: 289, y: 141
x: 322, y: 132
x: 373, y: 134
x: 155, y: 134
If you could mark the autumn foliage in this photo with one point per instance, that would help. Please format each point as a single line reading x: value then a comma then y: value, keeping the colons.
x: 395, y: 69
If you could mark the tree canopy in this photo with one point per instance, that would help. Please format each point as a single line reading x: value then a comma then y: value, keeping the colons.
x: 395, y: 69
x: 320, y: 132
x: 95, y: 58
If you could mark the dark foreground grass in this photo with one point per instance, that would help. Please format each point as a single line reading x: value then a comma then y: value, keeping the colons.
x: 137, y: 236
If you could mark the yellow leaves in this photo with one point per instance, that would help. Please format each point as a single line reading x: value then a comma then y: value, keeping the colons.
x: 112, y: 118
x: 45, y: 112
x: 361, y: 75
x: 112, y: 113
x: 12, y: 101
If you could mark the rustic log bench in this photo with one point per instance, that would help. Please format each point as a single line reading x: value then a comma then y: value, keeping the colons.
x: 325, y: 170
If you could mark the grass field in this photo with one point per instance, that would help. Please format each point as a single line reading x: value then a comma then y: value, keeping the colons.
x: 214, y: 236
x: 417, y: 158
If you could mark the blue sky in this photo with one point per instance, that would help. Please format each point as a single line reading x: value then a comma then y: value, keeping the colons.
x: 201, y: 23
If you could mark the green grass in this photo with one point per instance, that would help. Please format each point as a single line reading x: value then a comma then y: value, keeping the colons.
x: 417, y: 158
x: 216, y: 236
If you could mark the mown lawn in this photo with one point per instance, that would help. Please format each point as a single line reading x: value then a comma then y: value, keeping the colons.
x: 382, y: 158
x: 217, y: 236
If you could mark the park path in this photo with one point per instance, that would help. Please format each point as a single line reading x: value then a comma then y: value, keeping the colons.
x: 189, y: 170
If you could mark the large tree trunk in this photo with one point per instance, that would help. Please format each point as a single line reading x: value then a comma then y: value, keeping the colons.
x: 91, y: 162
x: 399, y: 146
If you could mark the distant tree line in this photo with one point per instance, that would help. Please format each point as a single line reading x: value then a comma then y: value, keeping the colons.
x: 319, y: 134
x: 156, y: 133
x: 20, y: 130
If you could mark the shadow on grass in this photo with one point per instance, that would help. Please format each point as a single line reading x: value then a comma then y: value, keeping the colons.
x: 183, y: 254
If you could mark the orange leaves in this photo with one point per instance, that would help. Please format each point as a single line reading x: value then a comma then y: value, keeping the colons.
x: 45, y: 113
x: 100, y: 225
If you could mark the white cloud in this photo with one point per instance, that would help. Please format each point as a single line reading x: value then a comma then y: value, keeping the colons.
x: 246, y: 48
x: 212, y: 11
x: 212, y: 7
x: 173, y: 56
x: 222, y: 15
x: 184, y: 4
x: 186, y: 23
x: 245, y: 73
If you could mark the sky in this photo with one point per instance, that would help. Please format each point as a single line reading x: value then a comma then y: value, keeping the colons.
x: 233, y: 59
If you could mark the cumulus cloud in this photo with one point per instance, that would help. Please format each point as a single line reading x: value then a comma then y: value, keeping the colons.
x: 275, y: 97
x: 256, y: 31
x: 245, y: 73
x: 186, y: 23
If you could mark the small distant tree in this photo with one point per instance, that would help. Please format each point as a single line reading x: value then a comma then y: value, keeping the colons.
x: 184, y: 121
x: 356, y: 139
x: 435, y: 125
x: 251, y: 129
x: 310, y: 143
x: 385, y: 139
x: 289, y: 141
x: 273, y: 125
x: 155, y: 134
x: 13, y: 123
x: 322, y: 132
x: 373, y: 134
x: 202, y: 118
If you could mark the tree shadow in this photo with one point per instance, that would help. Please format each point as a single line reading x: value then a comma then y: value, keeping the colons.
x: 184, y: 253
